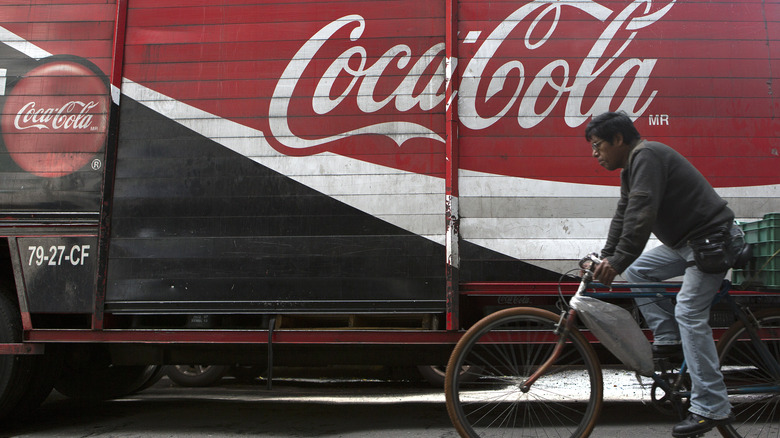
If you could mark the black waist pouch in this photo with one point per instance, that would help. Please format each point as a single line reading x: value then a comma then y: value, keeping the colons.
x: 712, y: 251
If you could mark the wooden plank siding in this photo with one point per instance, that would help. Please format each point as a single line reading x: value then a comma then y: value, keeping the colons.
x: 315, y: 229
x: 291, y: 156
x: 547, y: 201
x: 38, y: 44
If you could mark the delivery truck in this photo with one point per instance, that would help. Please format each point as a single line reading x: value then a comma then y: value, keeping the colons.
x: 335, y: 181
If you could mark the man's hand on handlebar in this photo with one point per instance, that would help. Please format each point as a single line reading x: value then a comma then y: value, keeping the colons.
x: 604, y: 273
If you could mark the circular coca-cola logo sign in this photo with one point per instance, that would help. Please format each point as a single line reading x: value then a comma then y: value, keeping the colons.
x: 55, y: 118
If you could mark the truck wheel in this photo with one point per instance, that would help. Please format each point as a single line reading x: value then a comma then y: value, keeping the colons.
x: 46, y: 370
x: 15, y: 370
x: 87, y: 373
x: 196, y: 375
x: 156, y: 373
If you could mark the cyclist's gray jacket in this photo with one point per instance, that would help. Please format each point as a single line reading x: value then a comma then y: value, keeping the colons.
x: 661, y: 192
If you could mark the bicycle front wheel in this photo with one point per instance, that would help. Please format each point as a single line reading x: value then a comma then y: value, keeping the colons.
x: 753, y: 381
x: 501, y: 351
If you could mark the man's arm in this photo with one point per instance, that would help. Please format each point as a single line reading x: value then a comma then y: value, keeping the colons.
x: 616, y: 226
x: 646, y: 185
x: 604, y: 272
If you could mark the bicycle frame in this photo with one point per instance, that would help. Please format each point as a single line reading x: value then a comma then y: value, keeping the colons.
x: 569, y: 318
x: 521, y: 353
x: 512, y: 376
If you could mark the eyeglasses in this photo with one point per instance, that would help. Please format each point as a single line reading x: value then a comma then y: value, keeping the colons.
x: 596, y: 145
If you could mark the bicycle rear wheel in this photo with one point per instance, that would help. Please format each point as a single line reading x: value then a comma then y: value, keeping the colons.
x: 758, y: 412
x: 502, y: 350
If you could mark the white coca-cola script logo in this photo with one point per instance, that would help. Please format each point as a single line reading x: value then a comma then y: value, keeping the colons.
x: 72, y: 115
x: 323, y: 104
x: 556, y: 75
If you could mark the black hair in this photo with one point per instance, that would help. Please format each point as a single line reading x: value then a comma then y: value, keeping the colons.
x: 606, y: 125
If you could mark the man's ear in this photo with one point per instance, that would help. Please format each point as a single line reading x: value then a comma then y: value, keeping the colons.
x: 617, y: 140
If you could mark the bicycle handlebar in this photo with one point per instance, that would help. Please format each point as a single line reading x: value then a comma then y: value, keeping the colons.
x: 590, y: 261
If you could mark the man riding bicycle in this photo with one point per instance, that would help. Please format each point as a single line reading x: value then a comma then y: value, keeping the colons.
x: 662, y: 193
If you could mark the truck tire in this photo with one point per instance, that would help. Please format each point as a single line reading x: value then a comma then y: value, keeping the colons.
x: 15, y: 370
x: 88, y: 374
x: 156, y: 374
x: 46, y: 370
x: 196, y: 375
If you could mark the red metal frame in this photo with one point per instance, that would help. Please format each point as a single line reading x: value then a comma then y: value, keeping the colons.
x: 452, y: 214
x: 37, y: 337
x: 117, y: 62
x: 341, y: 337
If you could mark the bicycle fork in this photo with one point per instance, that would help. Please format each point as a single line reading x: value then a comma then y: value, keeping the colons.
x: 566, y: 325
x: 562, y: 330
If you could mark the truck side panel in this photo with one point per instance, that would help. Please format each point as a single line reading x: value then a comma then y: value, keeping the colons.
x: 286, y: 157
x: 54, y: 107
x: 198, y: 227
x: 705, y: 92
x: 348, y: 100
x: 54, y: 124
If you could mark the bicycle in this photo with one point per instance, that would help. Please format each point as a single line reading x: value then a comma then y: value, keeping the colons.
x: 523, y: 363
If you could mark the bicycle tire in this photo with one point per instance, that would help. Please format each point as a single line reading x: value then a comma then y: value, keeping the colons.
x: 757, y: 415
x: 502, y: 350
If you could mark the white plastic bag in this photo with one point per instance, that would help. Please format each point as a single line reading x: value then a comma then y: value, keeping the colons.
x: 617, y: 330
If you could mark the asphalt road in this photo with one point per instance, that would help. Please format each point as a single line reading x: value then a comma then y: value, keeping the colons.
x: 300, y: 407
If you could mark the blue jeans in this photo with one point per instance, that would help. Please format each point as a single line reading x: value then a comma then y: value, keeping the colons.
x: 692, y: 328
